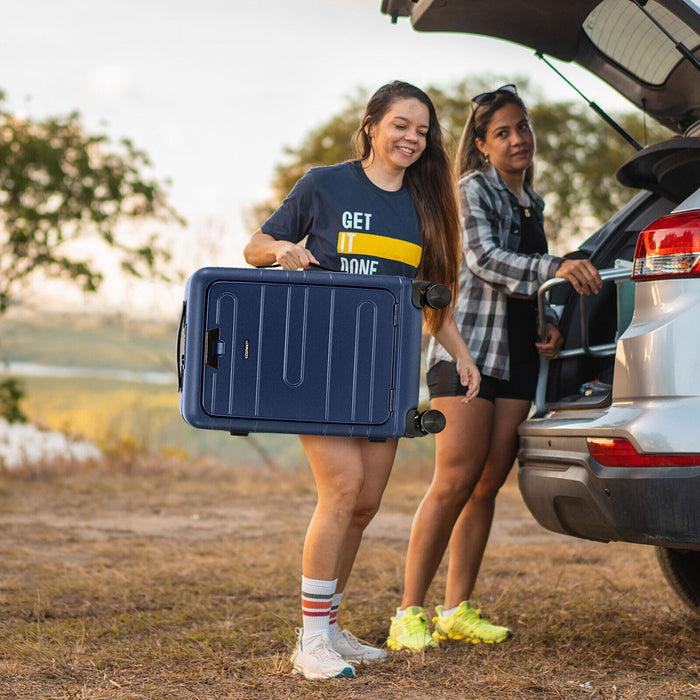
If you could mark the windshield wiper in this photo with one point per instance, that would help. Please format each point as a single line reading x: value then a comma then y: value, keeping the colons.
x: 682, y: 48
x: 598, y: 110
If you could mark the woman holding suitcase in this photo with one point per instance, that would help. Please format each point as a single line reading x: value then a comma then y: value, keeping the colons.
x: 505, y: 262
x: 392, y: 211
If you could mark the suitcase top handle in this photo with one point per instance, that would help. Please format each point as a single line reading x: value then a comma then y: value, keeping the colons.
x: 430, y: 294
x: 314, y: 265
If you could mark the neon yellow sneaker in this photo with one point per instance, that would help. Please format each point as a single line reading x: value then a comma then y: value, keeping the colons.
x: 410, y: 631
x: 467, y: 624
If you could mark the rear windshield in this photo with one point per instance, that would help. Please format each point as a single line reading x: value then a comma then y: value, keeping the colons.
x: 621, y: 31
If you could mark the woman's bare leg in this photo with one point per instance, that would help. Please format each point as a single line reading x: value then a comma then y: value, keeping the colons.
x: 471, y: 531
x: 336, y: 463
x: 377, y: 460
x: 350, y: 475
x: 461, y: 450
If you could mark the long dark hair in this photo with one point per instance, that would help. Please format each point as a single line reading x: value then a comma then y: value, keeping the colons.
x: 431, y: 184
x: 469, y: 157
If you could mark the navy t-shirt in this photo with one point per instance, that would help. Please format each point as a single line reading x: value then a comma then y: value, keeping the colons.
x: 352, y: 225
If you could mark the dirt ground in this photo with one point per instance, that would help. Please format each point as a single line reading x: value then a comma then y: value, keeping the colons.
x: 181, y: 581
x: 101, y: 519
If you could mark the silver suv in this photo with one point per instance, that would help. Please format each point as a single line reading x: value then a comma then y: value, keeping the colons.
x: 612, y: 450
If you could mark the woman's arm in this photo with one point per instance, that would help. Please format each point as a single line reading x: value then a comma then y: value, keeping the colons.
x: 511, y: 272
x: 451, y: 339
x: 264, y: 250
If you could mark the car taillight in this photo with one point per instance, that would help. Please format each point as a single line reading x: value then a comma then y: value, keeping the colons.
x: 670, y: 247
x: 619, y: 452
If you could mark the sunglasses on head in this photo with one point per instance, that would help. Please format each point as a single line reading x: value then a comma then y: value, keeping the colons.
x: 486, y: 98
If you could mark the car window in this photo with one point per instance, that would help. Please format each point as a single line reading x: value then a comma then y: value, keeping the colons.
x: 627, y: 36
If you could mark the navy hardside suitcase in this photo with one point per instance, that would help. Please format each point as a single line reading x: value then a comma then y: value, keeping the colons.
x: 304, y: 352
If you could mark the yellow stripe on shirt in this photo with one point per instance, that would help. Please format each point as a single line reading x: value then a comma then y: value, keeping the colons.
x: 354, y: 243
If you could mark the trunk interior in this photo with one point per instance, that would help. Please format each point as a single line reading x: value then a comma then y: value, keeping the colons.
x: 608, y: 313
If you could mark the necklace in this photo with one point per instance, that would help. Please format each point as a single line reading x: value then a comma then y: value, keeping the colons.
x: 524, y: 202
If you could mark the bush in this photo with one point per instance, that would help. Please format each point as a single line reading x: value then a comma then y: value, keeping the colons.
x: 12, y: 391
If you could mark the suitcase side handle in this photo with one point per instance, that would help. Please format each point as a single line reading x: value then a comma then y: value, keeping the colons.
x: 179, y: 356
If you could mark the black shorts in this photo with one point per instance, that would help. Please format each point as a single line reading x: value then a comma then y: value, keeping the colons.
x: 443, y: 380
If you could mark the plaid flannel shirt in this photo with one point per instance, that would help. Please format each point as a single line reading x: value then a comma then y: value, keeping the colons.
x: 491, y: 271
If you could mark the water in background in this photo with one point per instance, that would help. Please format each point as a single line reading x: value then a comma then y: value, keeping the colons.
x: 112, y: 381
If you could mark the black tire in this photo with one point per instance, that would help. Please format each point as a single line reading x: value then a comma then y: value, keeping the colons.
x: 437, y: 296
x: 681, y: 567
x: 432, y: 421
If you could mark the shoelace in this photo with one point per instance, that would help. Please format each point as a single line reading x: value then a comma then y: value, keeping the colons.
x: 323, y: 649
x: 416, y: 625
x: 477, y: 613
x: 350, y: 639
x: 478, y: 621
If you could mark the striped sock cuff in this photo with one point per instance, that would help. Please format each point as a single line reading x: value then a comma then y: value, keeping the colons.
x: 335, y: 604
x: 316, y: 603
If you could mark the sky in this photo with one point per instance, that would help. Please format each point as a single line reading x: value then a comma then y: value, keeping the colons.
x: 214, y: 90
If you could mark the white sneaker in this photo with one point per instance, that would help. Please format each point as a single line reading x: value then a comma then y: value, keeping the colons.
x: 317, y: 660
x: 355, y: 651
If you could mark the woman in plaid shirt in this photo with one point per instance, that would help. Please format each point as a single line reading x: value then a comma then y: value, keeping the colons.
x: 505, y: 262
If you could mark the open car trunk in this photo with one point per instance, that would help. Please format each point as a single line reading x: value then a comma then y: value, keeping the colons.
x: 657, y: 72
x: 649, y: 51
x: 668, y: 172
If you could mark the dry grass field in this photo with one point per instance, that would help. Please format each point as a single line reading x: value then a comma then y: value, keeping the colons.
x: 156, y: 578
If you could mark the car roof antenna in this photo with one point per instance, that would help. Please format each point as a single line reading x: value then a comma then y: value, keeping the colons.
x: 603, y: 115
x: 682, y: 48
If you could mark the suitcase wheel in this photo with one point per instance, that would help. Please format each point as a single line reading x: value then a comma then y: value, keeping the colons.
x: 437, y: 296
x: 418, y: 424
x: 431, y: 421
x: 434, y: 296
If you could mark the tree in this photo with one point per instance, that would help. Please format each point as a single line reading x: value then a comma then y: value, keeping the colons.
x: 11, y: 393
x: 577, y: 158
x: 59, y: 184
x: 577, y: 154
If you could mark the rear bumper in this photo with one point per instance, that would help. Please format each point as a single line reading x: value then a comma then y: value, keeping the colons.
x: 568, y: 492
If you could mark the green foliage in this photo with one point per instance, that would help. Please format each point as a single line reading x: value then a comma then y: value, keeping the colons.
x: 59, y: 184
x: 577, y: 158
x: 577, y: 154
x: 11, y: 393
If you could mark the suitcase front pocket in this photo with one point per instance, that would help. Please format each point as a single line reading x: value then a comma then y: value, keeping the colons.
x: 294, y: 352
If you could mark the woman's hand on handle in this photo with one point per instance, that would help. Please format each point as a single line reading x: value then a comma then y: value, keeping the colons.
x: 291, y: 256
x: 582, y: 274
x: 264, y: 250
x: 552, y: 342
